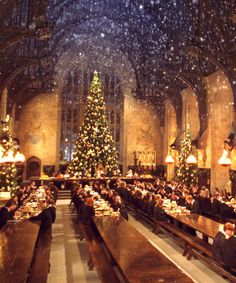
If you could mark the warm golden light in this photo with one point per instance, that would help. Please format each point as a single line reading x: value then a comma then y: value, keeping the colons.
x: 10, y: 158
x: 19, y: 157
x: 191, y: 159
x: 224, y: 160
x: 169, y: 159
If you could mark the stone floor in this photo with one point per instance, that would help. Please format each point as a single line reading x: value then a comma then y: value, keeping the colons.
x: 69, y: 255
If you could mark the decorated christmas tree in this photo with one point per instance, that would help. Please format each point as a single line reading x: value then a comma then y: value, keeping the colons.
x: 186, y: 173
x: 8, y: 171
x: 94, y: 146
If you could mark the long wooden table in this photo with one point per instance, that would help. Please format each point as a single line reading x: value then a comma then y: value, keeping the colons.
x: 208, y: 227
x: 137, y: 259
x: 17, y: 243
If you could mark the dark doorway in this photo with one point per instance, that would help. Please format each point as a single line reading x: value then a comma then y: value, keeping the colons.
x: 33, y: 167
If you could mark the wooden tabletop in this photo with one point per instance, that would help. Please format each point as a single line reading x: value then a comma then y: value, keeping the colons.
x: 200, y: 223
x: 17, y: 243
x: 136, y: 257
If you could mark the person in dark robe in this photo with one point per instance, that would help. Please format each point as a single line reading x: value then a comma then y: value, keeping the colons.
x: 118, y: 205
x: 159, y: 213
x: 52, y: 209
x: 226, y: 211
x: 87, y: 212
x: 192, y: 204
x: 204, y: 201
x: 229, y: 246
x: 45, y: 217
x: 6, y: 212
x: 54, y: 189
x: 218, y: 246
x: 151, y: 206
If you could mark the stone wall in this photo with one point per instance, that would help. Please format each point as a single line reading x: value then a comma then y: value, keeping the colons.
x: 142, y: 132
x: 37, y: 128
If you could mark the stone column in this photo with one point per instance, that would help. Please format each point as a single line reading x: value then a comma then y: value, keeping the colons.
x: 221, y: 115
x: 169, y: 137
x: 4, y: 104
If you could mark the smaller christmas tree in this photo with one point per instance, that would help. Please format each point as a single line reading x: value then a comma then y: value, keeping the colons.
x: 186, y: 173
x: 8, y: 171
x: 94, y: 145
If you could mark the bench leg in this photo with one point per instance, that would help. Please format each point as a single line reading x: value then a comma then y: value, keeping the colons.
x: 157, y: 227
x: 205, y: 238
x: 190, y: 254
x: 81, y: 233
x: 154, y: 228
x: 90, y: 263
x: 186, y: 248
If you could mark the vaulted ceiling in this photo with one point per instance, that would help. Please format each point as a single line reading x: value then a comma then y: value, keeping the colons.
x: 170, y: 44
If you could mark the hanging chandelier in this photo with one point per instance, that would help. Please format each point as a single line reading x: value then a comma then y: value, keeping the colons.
x: 224, y: 159
x: 169, y: 159
x: 191, y: 160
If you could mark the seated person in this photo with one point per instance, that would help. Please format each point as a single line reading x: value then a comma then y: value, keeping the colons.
x: 119, y: 205
x: 52, y: 209
x: 204, y: 200
x: 215, y: 204
x: 87, y: 212
x: 159, y: 213
x: 151, y: 206
x: 6, y: 212
x: 229, y: 246
x: 192, y: 204
x: 45, y: 217
x: 218, y: 246
x: 226, y: 211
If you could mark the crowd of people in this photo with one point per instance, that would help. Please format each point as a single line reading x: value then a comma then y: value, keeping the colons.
x: 148, y: 197
x: 84, y: 201
x: 47, y: 216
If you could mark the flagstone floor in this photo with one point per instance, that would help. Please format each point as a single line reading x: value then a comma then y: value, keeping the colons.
x: 69, y: 255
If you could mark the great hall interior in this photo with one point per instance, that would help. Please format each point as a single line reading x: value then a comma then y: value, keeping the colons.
x: 117, y: 141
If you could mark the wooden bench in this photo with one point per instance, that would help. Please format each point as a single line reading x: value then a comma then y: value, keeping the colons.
x: 140, y: 214
x: 189, y: 241
x: 130, y: 207
x: 194, y: 246
x: 40, y: 265
x: 98, y: 258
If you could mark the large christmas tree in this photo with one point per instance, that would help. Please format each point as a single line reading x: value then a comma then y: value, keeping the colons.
x: 186, y: 173
x: 8, y: 171
x: 94, y: 145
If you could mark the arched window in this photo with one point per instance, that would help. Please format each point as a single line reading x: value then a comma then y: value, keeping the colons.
x: 73, y: 99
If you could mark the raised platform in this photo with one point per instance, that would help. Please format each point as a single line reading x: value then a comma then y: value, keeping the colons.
x: 67, y: 183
